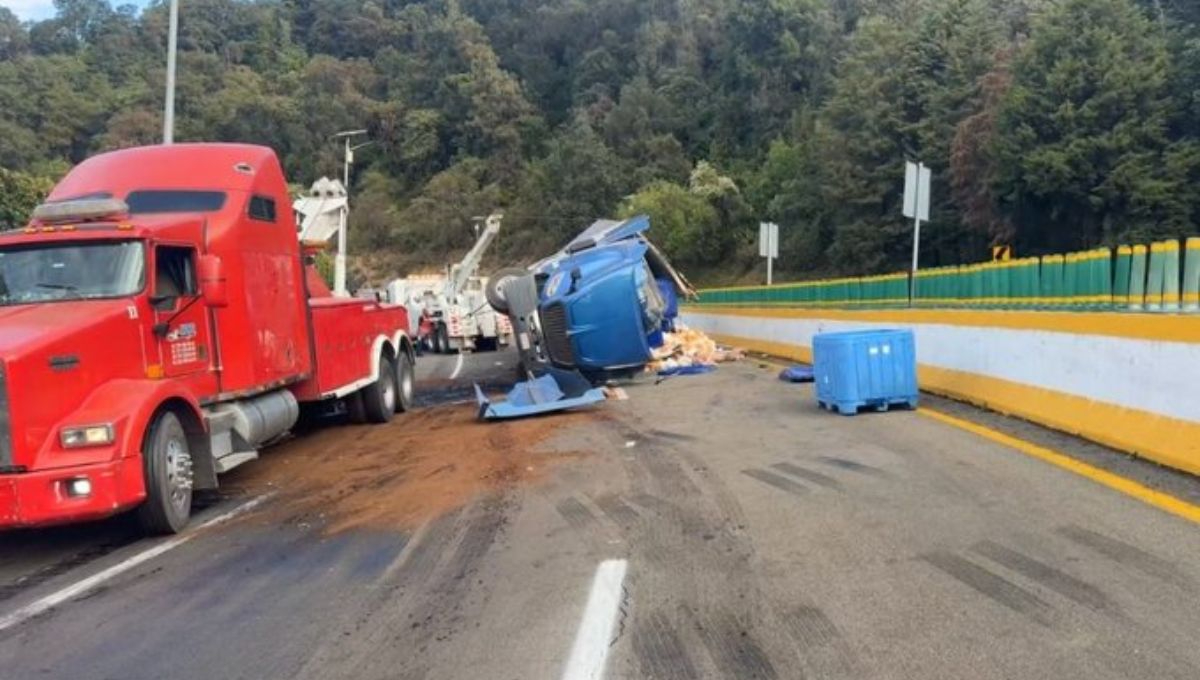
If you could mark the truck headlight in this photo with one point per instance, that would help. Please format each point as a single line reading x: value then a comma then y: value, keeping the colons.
x: 87, y: 435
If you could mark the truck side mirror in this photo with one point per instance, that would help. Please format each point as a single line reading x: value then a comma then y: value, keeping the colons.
x: 212, y: 281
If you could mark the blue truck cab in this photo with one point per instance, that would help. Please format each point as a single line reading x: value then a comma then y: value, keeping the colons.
x: 606, y: 298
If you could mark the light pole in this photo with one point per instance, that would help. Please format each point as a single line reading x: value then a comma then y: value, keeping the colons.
x: 169, y: 106
x: 339, y: 260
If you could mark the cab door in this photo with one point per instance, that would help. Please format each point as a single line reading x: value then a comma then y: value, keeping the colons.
x: 181, y: 327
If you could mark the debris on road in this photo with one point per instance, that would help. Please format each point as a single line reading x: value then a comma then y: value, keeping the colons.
x: 552, y: 391
x: 799, y: 373
x: 688, y: 347
x: 616, y: 393
x: 399, y: 475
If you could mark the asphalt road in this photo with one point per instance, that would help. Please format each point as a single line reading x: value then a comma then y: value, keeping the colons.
x: 743, y: 533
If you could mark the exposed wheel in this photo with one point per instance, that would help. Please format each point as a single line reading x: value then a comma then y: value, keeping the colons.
x: 494, y: 290
x: 167, y: 470
x: 444, y: 339
x: 379, y: 398
x: 405, y: 383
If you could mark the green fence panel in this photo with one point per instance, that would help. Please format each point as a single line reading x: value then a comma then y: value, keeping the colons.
x: 1007, y: 284
x: 1033, y: 282
x: 1137, y: 278
x: 1088, y: 292
x: 1154, y: 277
x: 1121, y: 273
x: 958, y: 285
x: 1073, y: 279
x: 1020, y: 282
x: 1171, y: 275
x: 1051, y: 280
x: 1104, y: 277
x: 1191, y: 275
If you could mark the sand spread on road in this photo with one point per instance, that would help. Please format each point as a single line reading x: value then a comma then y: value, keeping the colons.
x: 398, y: 475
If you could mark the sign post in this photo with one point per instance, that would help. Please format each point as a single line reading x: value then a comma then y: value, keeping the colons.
x: 917, y: 179
x: 768, y: 244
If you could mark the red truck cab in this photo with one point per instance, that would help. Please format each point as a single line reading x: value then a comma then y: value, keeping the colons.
x: 159, y: 325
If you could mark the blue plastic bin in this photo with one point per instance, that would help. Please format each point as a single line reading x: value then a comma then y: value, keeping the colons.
x: 860, y: 369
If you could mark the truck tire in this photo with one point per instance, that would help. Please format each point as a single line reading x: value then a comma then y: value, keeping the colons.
x: 405, y: 381
x: 379, y: 398
x: 167, y: 470
x: 494, y: 291
x: 444, y: 339
x: 355, y: 410
x: 435, y: 341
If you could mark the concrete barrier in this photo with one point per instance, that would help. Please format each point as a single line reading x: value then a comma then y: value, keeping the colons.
x: 1126, y: 381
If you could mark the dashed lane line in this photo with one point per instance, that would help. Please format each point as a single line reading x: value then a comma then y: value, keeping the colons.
x: 594, y: 638
x: 458, y: 364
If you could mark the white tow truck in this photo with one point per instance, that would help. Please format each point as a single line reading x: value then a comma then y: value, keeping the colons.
x: 455, y: 302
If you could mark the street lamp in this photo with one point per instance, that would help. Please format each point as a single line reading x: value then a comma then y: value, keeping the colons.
x: 169, y: 106
x: 339, y: 261
x: 346, y: 136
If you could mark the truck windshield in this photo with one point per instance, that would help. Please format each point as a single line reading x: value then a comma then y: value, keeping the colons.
x: 70, y: 271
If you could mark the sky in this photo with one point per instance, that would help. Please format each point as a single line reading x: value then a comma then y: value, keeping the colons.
x: 44, y: 9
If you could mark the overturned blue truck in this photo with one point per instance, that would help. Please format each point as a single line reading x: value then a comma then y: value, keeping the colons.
x: 591, y: 312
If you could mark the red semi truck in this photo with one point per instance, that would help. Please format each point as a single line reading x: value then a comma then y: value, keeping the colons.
x: 159, y: 325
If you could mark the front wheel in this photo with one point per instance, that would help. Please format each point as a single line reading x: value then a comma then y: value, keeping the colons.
x: 167, y: 469
x: 494, y: 290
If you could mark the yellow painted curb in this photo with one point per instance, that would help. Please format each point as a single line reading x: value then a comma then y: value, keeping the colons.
x: 1158, y: 499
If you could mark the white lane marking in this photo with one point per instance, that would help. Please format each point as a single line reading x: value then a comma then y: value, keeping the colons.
x: 590, y: 650
x: 457, y: 366
x: 90, y: 583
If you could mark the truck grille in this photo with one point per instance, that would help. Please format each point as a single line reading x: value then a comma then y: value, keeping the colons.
x: 554, y: 333
x: 6, y: 457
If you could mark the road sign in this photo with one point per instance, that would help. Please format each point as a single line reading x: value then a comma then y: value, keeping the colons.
x: 768, y: 244
x: 917, y: 180
x: 1001, y: 253
x: 768, y: 239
